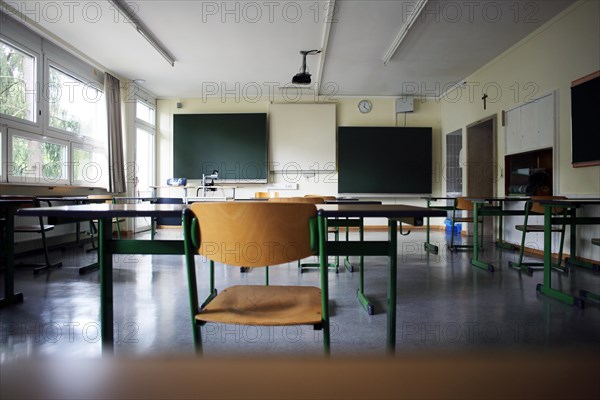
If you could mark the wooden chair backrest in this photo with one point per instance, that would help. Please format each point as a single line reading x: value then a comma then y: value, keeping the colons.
x: 464, y: 204
x: 324, y: 197
x: 306, y: 200
x: 254, y: 234
x: 537, y: 207
x: 265, y: 195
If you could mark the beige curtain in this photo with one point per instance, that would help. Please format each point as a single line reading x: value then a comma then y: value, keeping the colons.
x: 116, y: 160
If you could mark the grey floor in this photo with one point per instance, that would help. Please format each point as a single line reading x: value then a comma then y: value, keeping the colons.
x: 443, y: 304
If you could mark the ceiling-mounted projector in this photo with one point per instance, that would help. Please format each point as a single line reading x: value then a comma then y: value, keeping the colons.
x: 303, y: 77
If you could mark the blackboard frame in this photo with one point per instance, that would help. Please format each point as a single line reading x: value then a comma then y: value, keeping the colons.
x: 235, y: 144
x: 585, y: 125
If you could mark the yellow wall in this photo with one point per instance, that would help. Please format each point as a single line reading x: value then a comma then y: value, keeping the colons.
x: 558, y: 53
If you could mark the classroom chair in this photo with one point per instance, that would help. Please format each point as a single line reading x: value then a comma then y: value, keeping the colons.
x: 265, y: 195
x: 40, y: 228
x: 95, y: 198
x: 460, y: 207
x: 254, y: 234
x: 534, y: 207
x: 428, y: 246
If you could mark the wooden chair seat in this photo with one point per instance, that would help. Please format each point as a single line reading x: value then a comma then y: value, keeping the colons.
x: 265, y: 305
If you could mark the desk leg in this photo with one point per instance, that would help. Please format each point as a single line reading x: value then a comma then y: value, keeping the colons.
x: 324, y: 274
x: 391, y: 315
x: 546, y: 287
x: 106, y: 284
x: 501, y: 243
x: 475, y: 261
x: 362, y: 298
x: 572, y: 259
x: 10, y: 297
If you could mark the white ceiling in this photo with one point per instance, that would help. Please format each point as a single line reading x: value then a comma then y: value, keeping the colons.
x: 247, y: 47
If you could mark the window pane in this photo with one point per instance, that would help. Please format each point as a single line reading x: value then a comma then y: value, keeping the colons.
x: 144, y: 112
x: 88, y: 167
x: 17, y: 83
x: 76, y: 107
x: 144, y: 159
x: 38, y: 161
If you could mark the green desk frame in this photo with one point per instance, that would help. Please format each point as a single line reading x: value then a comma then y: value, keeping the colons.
x: 395, y: 214
x: 573, y: 220
x: 108, y: 246
x: 485, y: 207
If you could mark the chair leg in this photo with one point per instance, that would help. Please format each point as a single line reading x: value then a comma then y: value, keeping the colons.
x: 47, y: 263
x: 93, y: 232
x: 519, y: 264
x: 118, y: 228
x: 197, y: 333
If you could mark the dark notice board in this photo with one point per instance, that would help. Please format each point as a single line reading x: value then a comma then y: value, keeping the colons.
x: 384, y: 160
x: 585, y: 124
x: 236, y: 145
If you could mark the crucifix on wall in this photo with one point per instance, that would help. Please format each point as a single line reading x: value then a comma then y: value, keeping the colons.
x: 484, y: 98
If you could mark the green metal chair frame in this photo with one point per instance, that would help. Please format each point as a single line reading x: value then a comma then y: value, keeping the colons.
x: 532, y: 207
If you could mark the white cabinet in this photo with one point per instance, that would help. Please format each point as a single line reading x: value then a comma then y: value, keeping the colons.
x: 531, y: 126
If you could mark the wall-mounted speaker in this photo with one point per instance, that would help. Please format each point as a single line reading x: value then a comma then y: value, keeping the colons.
x: 404, y: 104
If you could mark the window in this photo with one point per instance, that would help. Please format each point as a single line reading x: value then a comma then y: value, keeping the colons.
x: 88, y: 167
x: 454, y: 163
x: 75, y: 106
x: 17, y: 83
x: 144, y: 153
x: 145, y: 113
x: 37, y: 161
x: 53, y: 113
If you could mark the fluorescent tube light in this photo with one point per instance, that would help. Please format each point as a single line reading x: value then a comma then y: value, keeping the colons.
x: 139, y: 26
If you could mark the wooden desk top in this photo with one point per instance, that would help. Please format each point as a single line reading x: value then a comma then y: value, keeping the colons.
x: 377, y: 210
x: 571, y: 202
x: 106, y: 210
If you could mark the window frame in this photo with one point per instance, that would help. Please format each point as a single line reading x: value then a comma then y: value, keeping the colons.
x: 46, y: 54
x: 21, y: 123
x: 38, y: 179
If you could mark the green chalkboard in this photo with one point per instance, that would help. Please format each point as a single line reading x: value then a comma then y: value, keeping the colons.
x: 384, y: 160
x: 236, y: 145
x: 585, y: 125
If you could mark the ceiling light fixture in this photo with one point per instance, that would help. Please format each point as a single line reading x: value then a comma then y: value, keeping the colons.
x: 303, y: 77
x: 410, y: 20
x: 142, y: 30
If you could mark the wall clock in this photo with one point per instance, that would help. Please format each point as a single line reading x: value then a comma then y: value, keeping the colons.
x: 365, y: 106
